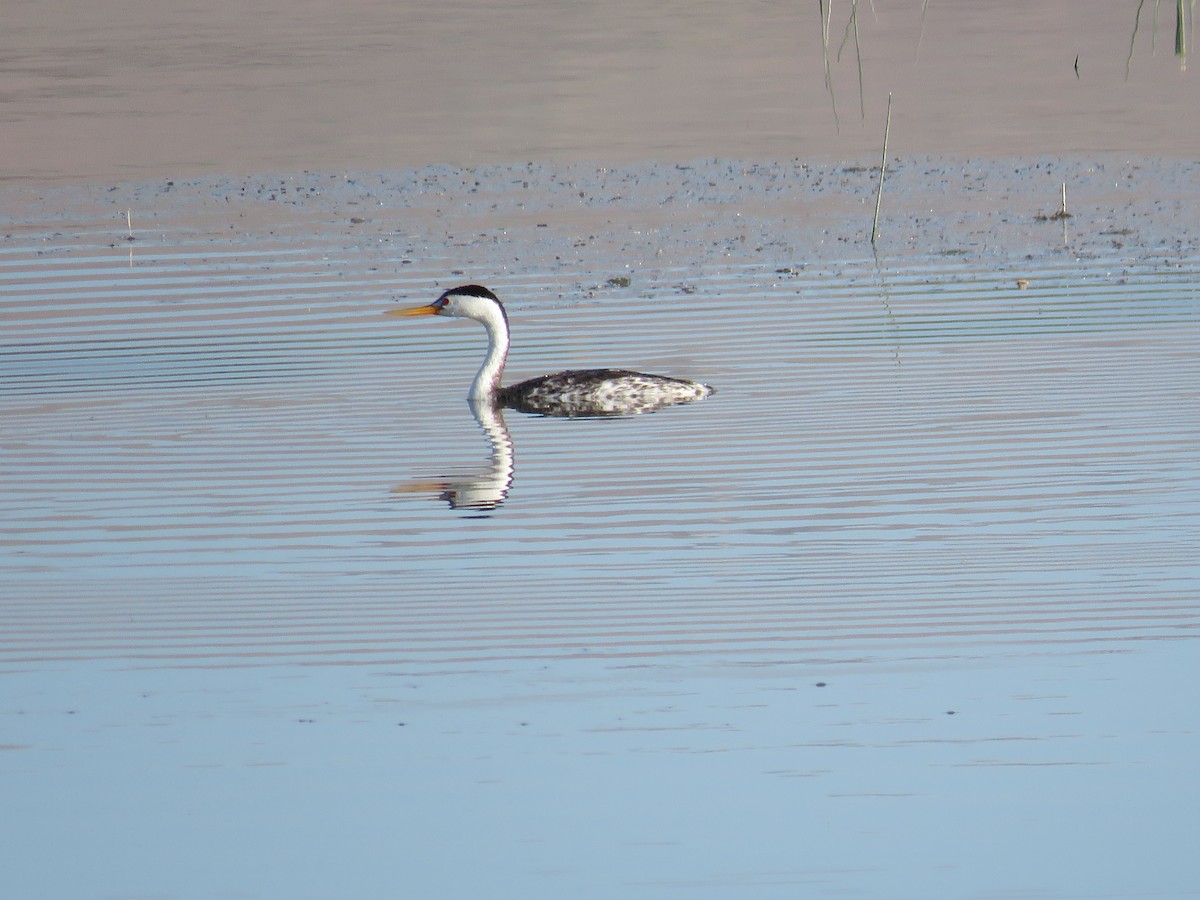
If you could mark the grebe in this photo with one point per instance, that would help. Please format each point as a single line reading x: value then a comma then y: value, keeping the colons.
x: 586, y: 392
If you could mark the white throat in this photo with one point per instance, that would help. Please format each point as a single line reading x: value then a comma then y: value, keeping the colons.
x: 487, y: 380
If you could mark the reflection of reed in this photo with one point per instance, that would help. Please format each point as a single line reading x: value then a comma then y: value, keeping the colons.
x: 1182, y: 24
x: 826, y: 8
x: 483, y: 490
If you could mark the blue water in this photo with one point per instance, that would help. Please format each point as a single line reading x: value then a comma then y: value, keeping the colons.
x: 907, y: 609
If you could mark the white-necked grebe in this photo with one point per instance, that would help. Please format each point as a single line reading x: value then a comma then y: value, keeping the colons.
x: 584, y: 392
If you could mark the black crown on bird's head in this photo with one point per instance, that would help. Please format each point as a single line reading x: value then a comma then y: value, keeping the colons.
x: 471, y: 290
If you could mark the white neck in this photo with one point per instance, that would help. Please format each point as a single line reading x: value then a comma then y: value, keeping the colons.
x: 487, y: 381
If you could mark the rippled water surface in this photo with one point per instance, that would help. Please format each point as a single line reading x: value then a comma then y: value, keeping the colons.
x: 908, y: 608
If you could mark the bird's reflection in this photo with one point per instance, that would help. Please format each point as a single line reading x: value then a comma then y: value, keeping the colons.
x: 483, y: 490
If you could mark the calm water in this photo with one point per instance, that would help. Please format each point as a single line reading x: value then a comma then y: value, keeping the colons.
x: 907, y: 609
x: 137, y: 89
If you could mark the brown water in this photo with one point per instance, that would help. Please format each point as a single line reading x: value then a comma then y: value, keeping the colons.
x: 135, y: 89
x: 909, y: 599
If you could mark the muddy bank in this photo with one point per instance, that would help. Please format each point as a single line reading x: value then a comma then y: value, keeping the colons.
x: 595, y: 222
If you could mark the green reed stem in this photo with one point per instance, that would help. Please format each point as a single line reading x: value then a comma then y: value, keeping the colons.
x: 882, y: 170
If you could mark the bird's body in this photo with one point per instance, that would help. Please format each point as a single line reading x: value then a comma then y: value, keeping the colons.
x: 599, y: 392
x: 585, y: 392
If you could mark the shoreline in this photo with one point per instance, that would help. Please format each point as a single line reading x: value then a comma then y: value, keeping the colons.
x: 992, y: 210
